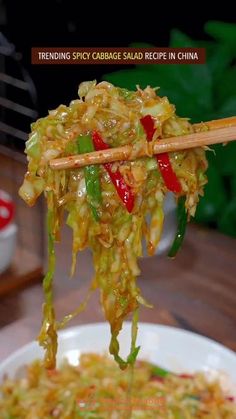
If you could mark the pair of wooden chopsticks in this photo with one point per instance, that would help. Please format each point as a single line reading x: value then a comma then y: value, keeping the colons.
x: 205, y: 133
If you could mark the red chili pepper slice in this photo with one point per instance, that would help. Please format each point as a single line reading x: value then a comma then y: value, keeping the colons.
x: 168, y: 174
x: 148, y: 125
x: 124, y: 191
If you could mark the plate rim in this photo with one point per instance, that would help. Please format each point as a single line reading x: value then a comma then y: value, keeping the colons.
x: 71, y: 330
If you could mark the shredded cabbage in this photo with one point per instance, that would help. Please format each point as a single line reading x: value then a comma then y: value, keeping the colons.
x: 116, y: 236
x: 96, y: 388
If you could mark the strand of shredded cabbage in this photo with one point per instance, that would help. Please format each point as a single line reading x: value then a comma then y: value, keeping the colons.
x: 116, y: 239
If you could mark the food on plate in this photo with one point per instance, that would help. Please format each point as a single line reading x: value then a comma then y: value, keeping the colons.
x: 107, y: 205
x: 97, y: 388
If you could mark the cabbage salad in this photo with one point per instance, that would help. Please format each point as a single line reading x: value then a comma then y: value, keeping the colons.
x: 107, y: 205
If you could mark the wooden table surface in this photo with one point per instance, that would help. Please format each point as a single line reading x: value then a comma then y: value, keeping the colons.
x: 196, y: 291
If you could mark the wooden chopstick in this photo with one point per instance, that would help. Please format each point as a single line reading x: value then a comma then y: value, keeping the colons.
x: 205, y: 133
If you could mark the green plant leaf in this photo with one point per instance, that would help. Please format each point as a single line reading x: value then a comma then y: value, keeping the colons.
x: 179, y: 39
x: 225, y: 156
x: 228, y: 108
x: 233, y: 186
x: 227, y: 221
x: 226, y: 86
x: 214, y: 200
x: 222, y: 31
x: 225, y: 159
x: 219, y: 58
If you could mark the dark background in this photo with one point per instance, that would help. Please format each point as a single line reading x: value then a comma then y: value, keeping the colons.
x: 73, y: 23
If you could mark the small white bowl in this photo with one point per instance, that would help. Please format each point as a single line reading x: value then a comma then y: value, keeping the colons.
x: 7, y: 245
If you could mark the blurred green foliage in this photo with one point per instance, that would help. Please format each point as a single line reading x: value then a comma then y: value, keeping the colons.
x: 202, y: 92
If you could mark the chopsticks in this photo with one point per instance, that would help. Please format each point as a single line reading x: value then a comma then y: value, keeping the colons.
x: 205, y: 133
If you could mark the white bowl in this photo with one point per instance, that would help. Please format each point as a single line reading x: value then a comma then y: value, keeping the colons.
x: 7, y: 245
x: 172, y: 348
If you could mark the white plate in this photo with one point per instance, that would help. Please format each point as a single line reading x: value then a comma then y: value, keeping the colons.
x: 172, y: 348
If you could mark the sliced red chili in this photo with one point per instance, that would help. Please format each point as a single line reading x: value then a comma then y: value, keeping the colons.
x: 149, y: 127
x: 124, y: 191
x: 168, y: 174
